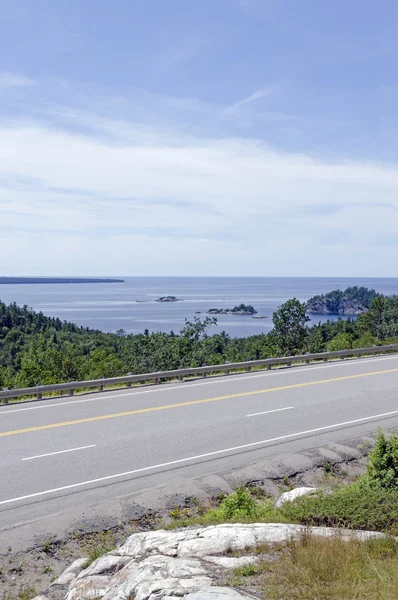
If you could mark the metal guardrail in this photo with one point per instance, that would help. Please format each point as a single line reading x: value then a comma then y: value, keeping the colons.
x: 179, y: 374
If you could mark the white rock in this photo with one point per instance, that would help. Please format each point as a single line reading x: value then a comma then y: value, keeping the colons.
x: 70, y: 573
x: 90, y: 587
x: 169, y: 564
x: 293, y: 494
x: 107, y: 564
x: 217, y: 593
x: 231, y: 562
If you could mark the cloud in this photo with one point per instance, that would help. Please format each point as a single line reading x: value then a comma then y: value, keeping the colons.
x: 143, y: 200
x: 10, y: 80
x: 262, y: 93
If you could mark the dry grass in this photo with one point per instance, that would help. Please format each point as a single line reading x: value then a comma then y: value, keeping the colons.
x: 325, y: 569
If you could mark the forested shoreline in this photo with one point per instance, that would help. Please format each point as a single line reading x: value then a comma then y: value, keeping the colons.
x: 36, y: 349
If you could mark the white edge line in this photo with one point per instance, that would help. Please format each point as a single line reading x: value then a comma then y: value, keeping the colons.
x: 192, y: 458
x: 166, y: 388
x: 59, y: 452
x: 267, y: 412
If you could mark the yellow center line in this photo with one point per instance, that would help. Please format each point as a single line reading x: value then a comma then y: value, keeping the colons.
x: 193, y: 402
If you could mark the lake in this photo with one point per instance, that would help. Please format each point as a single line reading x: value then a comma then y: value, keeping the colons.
x: 112, y: 306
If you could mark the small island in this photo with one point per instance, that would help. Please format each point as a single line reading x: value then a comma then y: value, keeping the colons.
x: 242, y: 309
x: 352, y: 301
x: 42, y: 280
x: 169, y: 299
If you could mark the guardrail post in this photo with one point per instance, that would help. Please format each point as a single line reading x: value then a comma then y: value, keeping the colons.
x: 39, y: 395
x: 156, y: 380
x: 128, y: 383
x: 325, y: 359
x: 5, y: 400
x: 204, y: 374
x: 227, y: 371
x: 248, y: 369
x: 101, y: 386
x: 269, y: 367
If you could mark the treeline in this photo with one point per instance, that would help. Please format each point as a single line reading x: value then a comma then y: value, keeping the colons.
x: 352, y: 300
x: 38, y: 349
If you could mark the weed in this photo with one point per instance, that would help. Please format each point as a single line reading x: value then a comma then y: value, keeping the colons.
x: 97, y: 545
x: 241, y: 573
x: 48, y: 570
x: 46, y: 547
x: 177, y: 513
x: 330, y: 568
x: 358, y: 506
x: 25, y: 592
x: 327, y: 467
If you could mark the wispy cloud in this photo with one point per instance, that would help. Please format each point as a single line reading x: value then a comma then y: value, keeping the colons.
x: 258, y: 95
x: 10, y: 80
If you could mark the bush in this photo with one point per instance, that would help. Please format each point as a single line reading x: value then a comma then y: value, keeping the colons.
x: 383, y: 462
x: 359, y: 506
x: 239, y: 504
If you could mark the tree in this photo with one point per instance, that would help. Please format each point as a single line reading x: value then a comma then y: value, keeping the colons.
x: 290, y: 327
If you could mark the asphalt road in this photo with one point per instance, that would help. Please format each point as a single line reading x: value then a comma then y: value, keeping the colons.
x: 60, y: 453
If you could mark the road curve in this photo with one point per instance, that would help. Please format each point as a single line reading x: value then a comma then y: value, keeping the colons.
x: 56, y: 454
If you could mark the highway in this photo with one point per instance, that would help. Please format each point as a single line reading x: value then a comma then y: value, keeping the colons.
x: 57, y: 454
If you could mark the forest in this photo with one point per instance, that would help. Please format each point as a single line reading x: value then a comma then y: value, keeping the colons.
x: 36, y: 349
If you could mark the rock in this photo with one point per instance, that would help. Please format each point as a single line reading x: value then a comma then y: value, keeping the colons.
x: 71, y: 572
x: 231, y: 562
x: 90, y: 587
x: 217, y: 593
x: 105, y: 565
x: 182, y: 563
x: 293, y: 494
x: 169, y: 299
x: 242, y: 309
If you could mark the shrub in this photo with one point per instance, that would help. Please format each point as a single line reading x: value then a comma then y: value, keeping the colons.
x: 239, y: 504
x: 359, y: 506
x: 383, y: 462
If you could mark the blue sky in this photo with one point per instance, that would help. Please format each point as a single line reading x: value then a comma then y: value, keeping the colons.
x: 221, y: 137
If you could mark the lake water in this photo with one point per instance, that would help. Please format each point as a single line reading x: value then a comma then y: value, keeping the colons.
x: 112, y: 306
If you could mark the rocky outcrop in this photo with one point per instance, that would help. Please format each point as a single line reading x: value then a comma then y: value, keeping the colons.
x: 346, y: 307
x: 169, y: 299
x: 186, y: 563
x: 242, y: 309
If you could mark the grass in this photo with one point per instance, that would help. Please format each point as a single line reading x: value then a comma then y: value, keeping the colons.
x: 325, y: 569
x: 25, y: 592
x: 97, y: 545
x: 358, y: 506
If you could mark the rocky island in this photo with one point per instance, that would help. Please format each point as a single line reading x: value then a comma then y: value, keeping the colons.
x: 242, y: 309
x: 352, y: 301
x: 169, y: 299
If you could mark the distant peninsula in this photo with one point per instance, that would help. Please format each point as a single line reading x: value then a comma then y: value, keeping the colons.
x: 34, y: 280
x: 242, y: 309
x: 352, y: 301
x: 169, y: 299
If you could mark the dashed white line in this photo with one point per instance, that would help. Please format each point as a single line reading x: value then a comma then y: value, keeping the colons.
x: 59, y: 452
x: 267, y: 412
x: 197, y: 457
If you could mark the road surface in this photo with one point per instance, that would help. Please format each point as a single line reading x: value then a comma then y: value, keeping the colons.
x: 58, y: 454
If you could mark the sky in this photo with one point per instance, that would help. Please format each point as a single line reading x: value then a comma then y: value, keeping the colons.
x: 211, y: 138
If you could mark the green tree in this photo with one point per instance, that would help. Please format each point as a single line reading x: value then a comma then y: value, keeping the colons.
x: 342, y: 341
x: 290, y: 328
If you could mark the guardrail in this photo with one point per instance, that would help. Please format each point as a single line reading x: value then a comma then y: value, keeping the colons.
x: 179, y: 374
